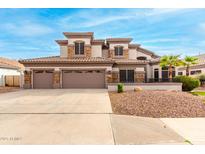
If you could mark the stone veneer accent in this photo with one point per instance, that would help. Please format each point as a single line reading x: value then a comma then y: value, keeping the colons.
x: 139, y: 77
x: 88, y: 51
x: 56, y: 79
x: 125, y: 54
x: 71, y: 51
x: 115, y: 77
x: 27, y: 79
x: 108, y: 77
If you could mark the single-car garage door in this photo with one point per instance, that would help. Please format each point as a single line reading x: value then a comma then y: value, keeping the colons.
x: 84, y: 79
x: 43, y: 79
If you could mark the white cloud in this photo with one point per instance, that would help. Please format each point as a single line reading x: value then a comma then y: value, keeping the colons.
x: 157, y: 12
x: 160, y: 40
x: 94, y: 17
x: 106, y: 20
x: 27, y: 29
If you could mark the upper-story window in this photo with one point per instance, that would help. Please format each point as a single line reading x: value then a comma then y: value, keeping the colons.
x: 118, y: 51
x: 79, y: 48
x: 141, y: 58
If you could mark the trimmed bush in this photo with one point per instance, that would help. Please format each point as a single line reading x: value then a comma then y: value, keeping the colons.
x: 120, y: 88
x: 188, y: 83
x: 201, y: 77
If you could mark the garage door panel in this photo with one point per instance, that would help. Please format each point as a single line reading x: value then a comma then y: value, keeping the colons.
x: 43, y: 79
x: 83, y: 79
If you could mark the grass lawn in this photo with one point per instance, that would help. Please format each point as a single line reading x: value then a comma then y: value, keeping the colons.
x: 198, y: 93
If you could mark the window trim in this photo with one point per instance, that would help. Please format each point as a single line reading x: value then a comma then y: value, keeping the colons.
x: 78, y: 53
x: 127, y: 76
x: 118, y: 51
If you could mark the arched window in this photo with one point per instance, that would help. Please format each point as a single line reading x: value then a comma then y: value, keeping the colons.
x: 141, y: 58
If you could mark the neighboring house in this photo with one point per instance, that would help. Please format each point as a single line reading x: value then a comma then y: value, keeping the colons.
x: 9, y: 68
x: 196, y: 69
x: 85, y: 62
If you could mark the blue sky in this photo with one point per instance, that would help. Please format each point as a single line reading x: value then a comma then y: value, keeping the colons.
x: 26, y: 33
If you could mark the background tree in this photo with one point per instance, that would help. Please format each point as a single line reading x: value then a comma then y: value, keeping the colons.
x: 189, y: 60
x: 170, y: 61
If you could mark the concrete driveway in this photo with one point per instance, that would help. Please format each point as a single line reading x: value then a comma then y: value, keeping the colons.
x: 74, y: 116
x: 56, y: 101
x: 63, y: 116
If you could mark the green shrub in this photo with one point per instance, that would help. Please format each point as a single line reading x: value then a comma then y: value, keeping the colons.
x: 201, y: 77
x: 188, y: 83
x: 120, y: 88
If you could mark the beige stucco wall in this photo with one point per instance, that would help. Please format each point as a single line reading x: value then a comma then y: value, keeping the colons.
x: 63, y: 51
x: 105, y: 53
x: 132, y: 54
x: 96, y: 50
x: 86, y: 40
x: 149, y: 71
x: 160, y: 70
x: 139, y: 54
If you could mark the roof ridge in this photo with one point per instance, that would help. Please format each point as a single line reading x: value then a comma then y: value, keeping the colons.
x: 39, y: 58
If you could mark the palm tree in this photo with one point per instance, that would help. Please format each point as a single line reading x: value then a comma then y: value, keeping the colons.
x: 170, y: 61
x: 189, y: 60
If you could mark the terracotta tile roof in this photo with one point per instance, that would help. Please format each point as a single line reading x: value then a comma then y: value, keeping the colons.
x: 98, y: 41
x: 119, y: 40
x: 133, y: 46
x: 130, y: 61
x: 62, y: 42
x: 8, y: 63
x: 157, y: 60
x: 140, y: 49
x: 78, y: 34
x: 58, y: 59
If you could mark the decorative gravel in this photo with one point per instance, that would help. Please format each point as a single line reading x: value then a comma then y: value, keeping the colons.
x: 157, y: 104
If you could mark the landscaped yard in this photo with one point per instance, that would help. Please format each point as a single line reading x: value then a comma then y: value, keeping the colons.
x: 8, y: 89
x: 157, y: 104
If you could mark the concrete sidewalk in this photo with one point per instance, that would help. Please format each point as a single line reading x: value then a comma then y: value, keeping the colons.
x: 192, y: 129
x: 142, y: 130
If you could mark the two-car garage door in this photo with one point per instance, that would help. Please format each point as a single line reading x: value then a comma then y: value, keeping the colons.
x: 83, y: 79
x: 43, y: 79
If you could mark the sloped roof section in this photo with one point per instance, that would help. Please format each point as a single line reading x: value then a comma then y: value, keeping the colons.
x: 58, y: 59
x: 148, y: 52
x: 62, y: 42
x: 78, y: 34
x: 128, y: 40
x: 130, y: 61
x: 8, y: 63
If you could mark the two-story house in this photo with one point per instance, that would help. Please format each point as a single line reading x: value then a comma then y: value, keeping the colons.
x: 86, y: 62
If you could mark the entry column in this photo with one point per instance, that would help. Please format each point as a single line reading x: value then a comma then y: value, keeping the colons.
x: 56, y: 79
